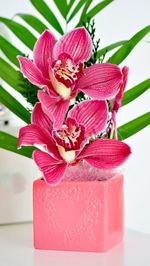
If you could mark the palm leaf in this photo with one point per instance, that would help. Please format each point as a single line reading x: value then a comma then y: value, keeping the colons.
x: 76, y: 9
x: 82, y: 17
x: 13, y: 105
x: 135, y: 92
x: 70, y: 4
x: 10, y: 51
x: 62, y: 6
x: 10, y: 75
x: 20, y: 31
x: 46, y: 12
x: 9, y: 142
x: 96, y: 9
x: 109, y: 48
x: 34, y: 22
x: 126, y: 49
x: 127, y: 130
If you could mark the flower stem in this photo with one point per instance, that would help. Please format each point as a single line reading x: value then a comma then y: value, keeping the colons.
x: 112, y: 131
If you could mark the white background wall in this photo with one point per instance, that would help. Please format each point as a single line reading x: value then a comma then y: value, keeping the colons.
x: 120, y: 21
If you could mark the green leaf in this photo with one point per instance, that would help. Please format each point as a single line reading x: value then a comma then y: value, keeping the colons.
x: 82, y: 17
x: 127, y: 130
x: 9, y: 142
x: 10, y: 75
x: 96, y: 9
x: 126, y: 49
x: 29, y: 91
x: 62, y: 6
x: 13, y: 105
x: 70, y: 4
x: 46, y: 12
x: 20, y: 31
x: 10, y: 51
x: 34, y: 22
x: 135, y: 92
x: 76, y: 9
x: 109, y: 48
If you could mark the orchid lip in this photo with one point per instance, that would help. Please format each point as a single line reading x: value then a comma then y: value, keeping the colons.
x: 68, y: 156
x: 70, y: 136
x: 64, y: 73
x: 59, y: 87
x: 66, y: 70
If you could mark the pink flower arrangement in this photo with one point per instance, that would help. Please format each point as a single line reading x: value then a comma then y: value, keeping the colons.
x: 65, y: 135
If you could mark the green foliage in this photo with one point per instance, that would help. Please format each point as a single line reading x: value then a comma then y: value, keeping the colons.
x: 33, y: 22
x: 108, y: 48
x: 10, y: 143
x: 10, y: 51
x: 13, y: 105
x: 82, y: 20
x: 126, y: 49
x: 20, y: 31
x: 70, y: 4
x: 76, y: 9
x: 62, y: 7
x: 10, y: 75
x: 47, y: 14
x: 15, y: 79
x: 29, y: 91
x: 127, y: 130
x: 93, y: 12
x: 135, y: 92
x: 90, y: 26
x: 96, y: 9
x: 80, y: 97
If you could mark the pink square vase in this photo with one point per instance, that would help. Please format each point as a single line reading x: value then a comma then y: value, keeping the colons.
x: 78, y: 216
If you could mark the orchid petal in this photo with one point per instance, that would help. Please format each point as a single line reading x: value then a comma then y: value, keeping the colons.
x: 48, y: 103
x: 100, y: 81
x: 77, y: 44
x: 43, y: 49
x: 40, y: 119
x: 92, y: 115
x: 32, y: 73
x: 55, y: 108
x: 60, y: 113
x: 53, y: 171
x: 33, y: 135
x: 107, y: 154
x: 116, y: 103
x: 118, y: 99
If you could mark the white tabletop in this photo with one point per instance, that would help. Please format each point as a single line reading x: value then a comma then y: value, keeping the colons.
x: 16, y: 249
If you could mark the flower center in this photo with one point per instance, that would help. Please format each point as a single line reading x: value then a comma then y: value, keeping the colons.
x: 70, y: 136
x: 64, y: 74
x: 66, y: 71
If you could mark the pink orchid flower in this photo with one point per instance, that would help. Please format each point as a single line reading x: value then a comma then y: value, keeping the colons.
x: 118, y: 99
x: 58, y: 68
x: 73, y: 142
